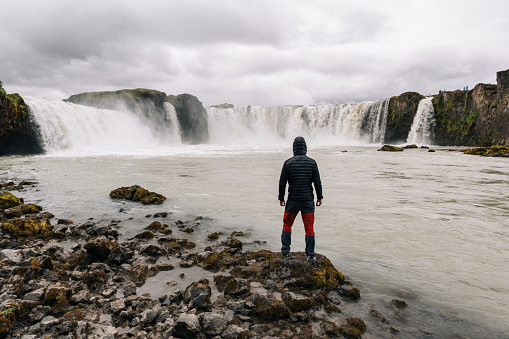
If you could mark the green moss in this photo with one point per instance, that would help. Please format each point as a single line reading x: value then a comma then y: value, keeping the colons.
x: 271, y: 309
x: 357, y: 323
x: 137, y: 193
x: 8, y: 200
x: 28, y: 228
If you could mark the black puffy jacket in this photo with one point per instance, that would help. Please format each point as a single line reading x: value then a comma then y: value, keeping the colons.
x: 300, y: 171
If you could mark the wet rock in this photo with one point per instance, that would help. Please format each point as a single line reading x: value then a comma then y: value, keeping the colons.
x: 235, y: 332
x: 121, y: 253
x: 267, y: 307
x: 411, y: 146
x: 237, y: 287
x: 36, y: 295
x: 98, y: 230
x: 137, y: 193
x: 8, y: 200
x: 399, y: 303
x: 18, y: 211
x: 140, y: 273
x: 149, y: 316
x: 147, y: 235
x: 28, y: 228
x: 64, y: 222
x: 389, y: 148
x: 57, y: 296
x: 38, y: 313
x: 156, y: 226
x: 214, y: 323
x: 87, y: 330
x: 234, y: 243
x: 297, y: 303
x: 357, y: 323
x: 186, y: 326
x: 152, y: 250
x: 100, y: 247
x: 95, y: 280
x: 197, y: 295
x: 214, y: 236
x: 80, y: 297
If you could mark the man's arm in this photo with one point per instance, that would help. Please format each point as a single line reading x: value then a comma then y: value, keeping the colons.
x: 283, y: 178
x: 318, y: 184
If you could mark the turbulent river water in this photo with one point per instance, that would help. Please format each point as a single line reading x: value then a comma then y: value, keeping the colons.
x: 427, y: 228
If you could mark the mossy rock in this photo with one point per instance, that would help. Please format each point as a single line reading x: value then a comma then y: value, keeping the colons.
x: 270, y: 308
x: 28, y: 228
x: 321, y: 275
x: 350, y: 332
x: 95, y: 280
x: 57, y: 296
x: 18, y: 211
x: 146, y: 235
x: 297, y: 303
x: 100, y: 247
x: 9, y: 312
x: 390, y: 148
x: 137, y: 193
x: 493, y: 151
x: 357, y: 323
x: 140, y: 273
x: 214, y: 236
x: 234, y: 243
x: 411, y: 146
x: 8, y: 200
x: 156, y: 226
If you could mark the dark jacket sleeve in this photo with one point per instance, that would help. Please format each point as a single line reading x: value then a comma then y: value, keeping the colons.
x: 317, y: 182
x: 282, y: 183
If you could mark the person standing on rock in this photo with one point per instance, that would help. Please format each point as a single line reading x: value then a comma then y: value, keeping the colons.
x: 300, y: 172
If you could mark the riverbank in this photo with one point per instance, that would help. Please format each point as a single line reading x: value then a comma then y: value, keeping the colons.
x: 83, y: 281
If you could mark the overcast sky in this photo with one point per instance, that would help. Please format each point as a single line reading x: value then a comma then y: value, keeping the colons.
x: 256, y: 52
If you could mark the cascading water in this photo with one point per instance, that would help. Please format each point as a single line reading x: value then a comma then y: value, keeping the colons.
x: 423, y: 125
x: 363, y: 122
x: 66, y: 127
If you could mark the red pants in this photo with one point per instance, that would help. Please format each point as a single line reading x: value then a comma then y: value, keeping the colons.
x: 307, y: 218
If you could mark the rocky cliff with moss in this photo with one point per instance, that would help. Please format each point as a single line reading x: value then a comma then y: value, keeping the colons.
x: 476, y: 117
x: 401, y: 114
x: 191, y: 114
x: 17, y: 132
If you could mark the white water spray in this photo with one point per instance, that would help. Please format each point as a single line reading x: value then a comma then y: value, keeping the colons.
x: 363, y: 122
x: 69, y: 128
x: 421, y: 131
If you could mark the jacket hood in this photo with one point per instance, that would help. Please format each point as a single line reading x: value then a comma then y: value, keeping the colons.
x: 299, y: 146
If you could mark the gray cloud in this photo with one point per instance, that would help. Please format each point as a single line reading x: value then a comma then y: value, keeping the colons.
x: 252, y: 52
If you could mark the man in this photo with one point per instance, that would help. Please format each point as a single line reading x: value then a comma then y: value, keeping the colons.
x: 299, y: 171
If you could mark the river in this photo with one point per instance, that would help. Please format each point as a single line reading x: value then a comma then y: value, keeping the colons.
x: 429, y: 228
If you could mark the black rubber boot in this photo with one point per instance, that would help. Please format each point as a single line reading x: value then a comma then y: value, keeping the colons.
x: 310, y: 246
x: 286, y: 241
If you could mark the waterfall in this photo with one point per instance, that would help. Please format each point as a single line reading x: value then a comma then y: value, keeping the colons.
x: 423, y: 125
x: 70, y: 128
x: 363, y: 122
x: 66, y: 127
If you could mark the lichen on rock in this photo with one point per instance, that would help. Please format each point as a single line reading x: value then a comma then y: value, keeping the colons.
x: 137, y: 193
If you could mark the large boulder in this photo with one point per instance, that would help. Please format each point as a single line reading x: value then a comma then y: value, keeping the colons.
x: 9, y: 200
x: 192, y: 117
x: 28, y: 228
x: 18, y: 134
x: 137, y: 193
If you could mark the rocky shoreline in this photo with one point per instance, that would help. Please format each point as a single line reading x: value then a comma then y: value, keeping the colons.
x: 84, y: 280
